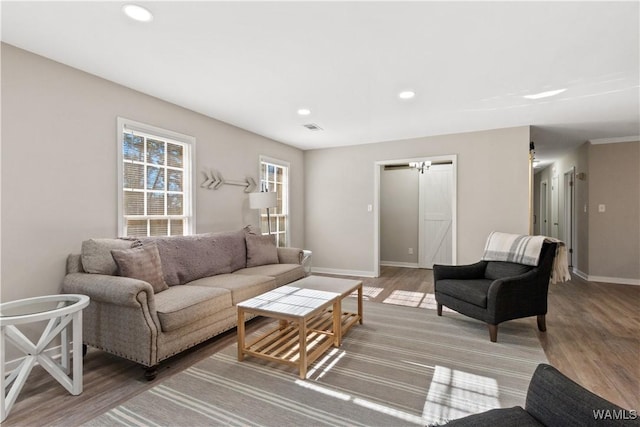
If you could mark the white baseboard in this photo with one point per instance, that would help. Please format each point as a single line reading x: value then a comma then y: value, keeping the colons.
x: 53, y: 352
x: 617, y: 280
x: 580, y: 274
x: 399, y: 264
x: 604, y: 279
x: 340, y: 272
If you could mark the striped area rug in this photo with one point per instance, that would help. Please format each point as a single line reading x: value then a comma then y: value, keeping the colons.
x: 404, y: 366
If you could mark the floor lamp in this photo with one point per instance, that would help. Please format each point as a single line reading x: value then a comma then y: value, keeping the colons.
x: 263, y: 200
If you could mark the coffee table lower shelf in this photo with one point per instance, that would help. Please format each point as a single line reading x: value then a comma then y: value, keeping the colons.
x: 282, y: 344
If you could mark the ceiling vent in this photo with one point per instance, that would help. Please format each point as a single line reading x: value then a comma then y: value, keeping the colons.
x: 312, y: 126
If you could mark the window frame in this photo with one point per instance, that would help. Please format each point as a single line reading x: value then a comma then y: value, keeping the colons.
x: 287, y: 220
x: 189, y: 156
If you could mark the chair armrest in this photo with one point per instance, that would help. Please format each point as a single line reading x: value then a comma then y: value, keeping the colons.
x: 459, y: 272
x: 554, y: 399
x: 110, y: 289
x: 290, y: 255
x: 519, y: 296
x: 528, y: 284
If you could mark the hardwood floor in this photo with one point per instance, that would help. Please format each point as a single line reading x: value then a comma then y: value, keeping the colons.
x: 593, y: 336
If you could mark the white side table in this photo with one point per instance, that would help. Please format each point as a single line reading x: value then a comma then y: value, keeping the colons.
x: 61, y: 311
x: 306, y: 261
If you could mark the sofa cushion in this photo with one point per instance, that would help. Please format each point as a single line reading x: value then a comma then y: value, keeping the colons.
x: 142, y: 263
x: 179, y: 306
x: 261, y: 250
x: 241, y: 286
x: 499, y: 269
x: 515, y: 416
x: 188, y: 258
x: 471, y: 291
x: 283, y: 273
x: 96, y: 255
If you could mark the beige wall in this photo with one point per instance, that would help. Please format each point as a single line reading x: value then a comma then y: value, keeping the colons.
x: 614, y: 235
x: 493, y: 193
x: 59, y: 166
x: 399, y: 196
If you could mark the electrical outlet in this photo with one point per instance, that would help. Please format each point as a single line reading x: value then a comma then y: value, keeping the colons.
x: 602, y: 208
x: 410, y: 251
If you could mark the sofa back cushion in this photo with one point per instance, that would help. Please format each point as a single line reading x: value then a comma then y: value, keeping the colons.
x: 187, y: 258
x: 500, y: 269
x: 96, y: 255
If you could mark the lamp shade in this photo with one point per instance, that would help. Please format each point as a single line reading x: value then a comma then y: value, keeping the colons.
x: 263, y: 200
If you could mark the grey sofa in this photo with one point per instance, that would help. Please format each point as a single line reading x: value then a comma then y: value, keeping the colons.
x: 554, y: 400
x: 205, y: 276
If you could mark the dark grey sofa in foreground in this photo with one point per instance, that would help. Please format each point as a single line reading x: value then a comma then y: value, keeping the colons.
x: 554, y: 400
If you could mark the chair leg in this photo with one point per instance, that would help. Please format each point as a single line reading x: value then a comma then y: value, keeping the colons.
x: 493, y: 332
x: 439, y: 309
x: 542, y: 323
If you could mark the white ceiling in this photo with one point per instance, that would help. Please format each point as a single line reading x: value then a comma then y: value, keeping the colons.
x: 253, y: 64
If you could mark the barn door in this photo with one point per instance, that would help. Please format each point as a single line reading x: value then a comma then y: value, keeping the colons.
x: 435, y: 219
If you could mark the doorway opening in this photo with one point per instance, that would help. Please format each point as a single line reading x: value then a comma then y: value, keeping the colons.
x: 437, y: 227
x: 544, y: 211
x: 568, y: 223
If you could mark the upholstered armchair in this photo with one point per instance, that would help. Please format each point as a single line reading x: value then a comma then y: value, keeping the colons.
x: 496, y: 291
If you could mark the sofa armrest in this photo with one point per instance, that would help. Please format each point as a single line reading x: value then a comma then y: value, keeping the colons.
x: 290, y: 256
x: 459, y: 272
x: 554, y: 399
x: 110, y: 289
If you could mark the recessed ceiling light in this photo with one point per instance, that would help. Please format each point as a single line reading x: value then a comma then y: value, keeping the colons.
x: 544, y: 94
x: 137, y: 13
x: 304, y: 112
x: 406, y: 94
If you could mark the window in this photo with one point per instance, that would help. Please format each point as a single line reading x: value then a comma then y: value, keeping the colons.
x: 155, y: 181
x: 274, y: 176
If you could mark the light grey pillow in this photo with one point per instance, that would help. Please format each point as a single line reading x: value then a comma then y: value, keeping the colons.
x: 261, y: 250
x: 96, y: 255
x: 142, y: 263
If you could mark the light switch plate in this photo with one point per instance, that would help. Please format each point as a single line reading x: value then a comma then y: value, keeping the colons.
x: 601, y: 208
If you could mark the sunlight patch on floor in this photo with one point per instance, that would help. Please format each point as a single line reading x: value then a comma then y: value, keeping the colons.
x: 429, y: 302
x: 368, y: 292
x: 403, y: 415
x: 414, y: 299
x: 455, y: 394
x: 329, y: 360
x: 406, y: 298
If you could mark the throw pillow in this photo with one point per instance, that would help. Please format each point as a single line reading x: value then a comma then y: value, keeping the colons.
x: 96, y: 255
x: 142, y: 263
x: 261, y: 250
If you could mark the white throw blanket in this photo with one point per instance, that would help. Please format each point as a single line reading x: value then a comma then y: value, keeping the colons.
x: 526, y: 250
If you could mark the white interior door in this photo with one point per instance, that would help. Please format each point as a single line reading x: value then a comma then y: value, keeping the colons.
x: 435, y: 219
x: 544, y: 229
x: 567, y: 230
x: 555, y: 197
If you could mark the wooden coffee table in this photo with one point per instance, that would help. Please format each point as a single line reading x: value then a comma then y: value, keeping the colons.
x: 311, y: 320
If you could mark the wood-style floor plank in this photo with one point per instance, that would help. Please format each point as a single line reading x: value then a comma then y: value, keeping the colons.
x: 593, y: 336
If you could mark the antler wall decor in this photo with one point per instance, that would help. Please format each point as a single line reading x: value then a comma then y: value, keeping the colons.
x: 214, y: 180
